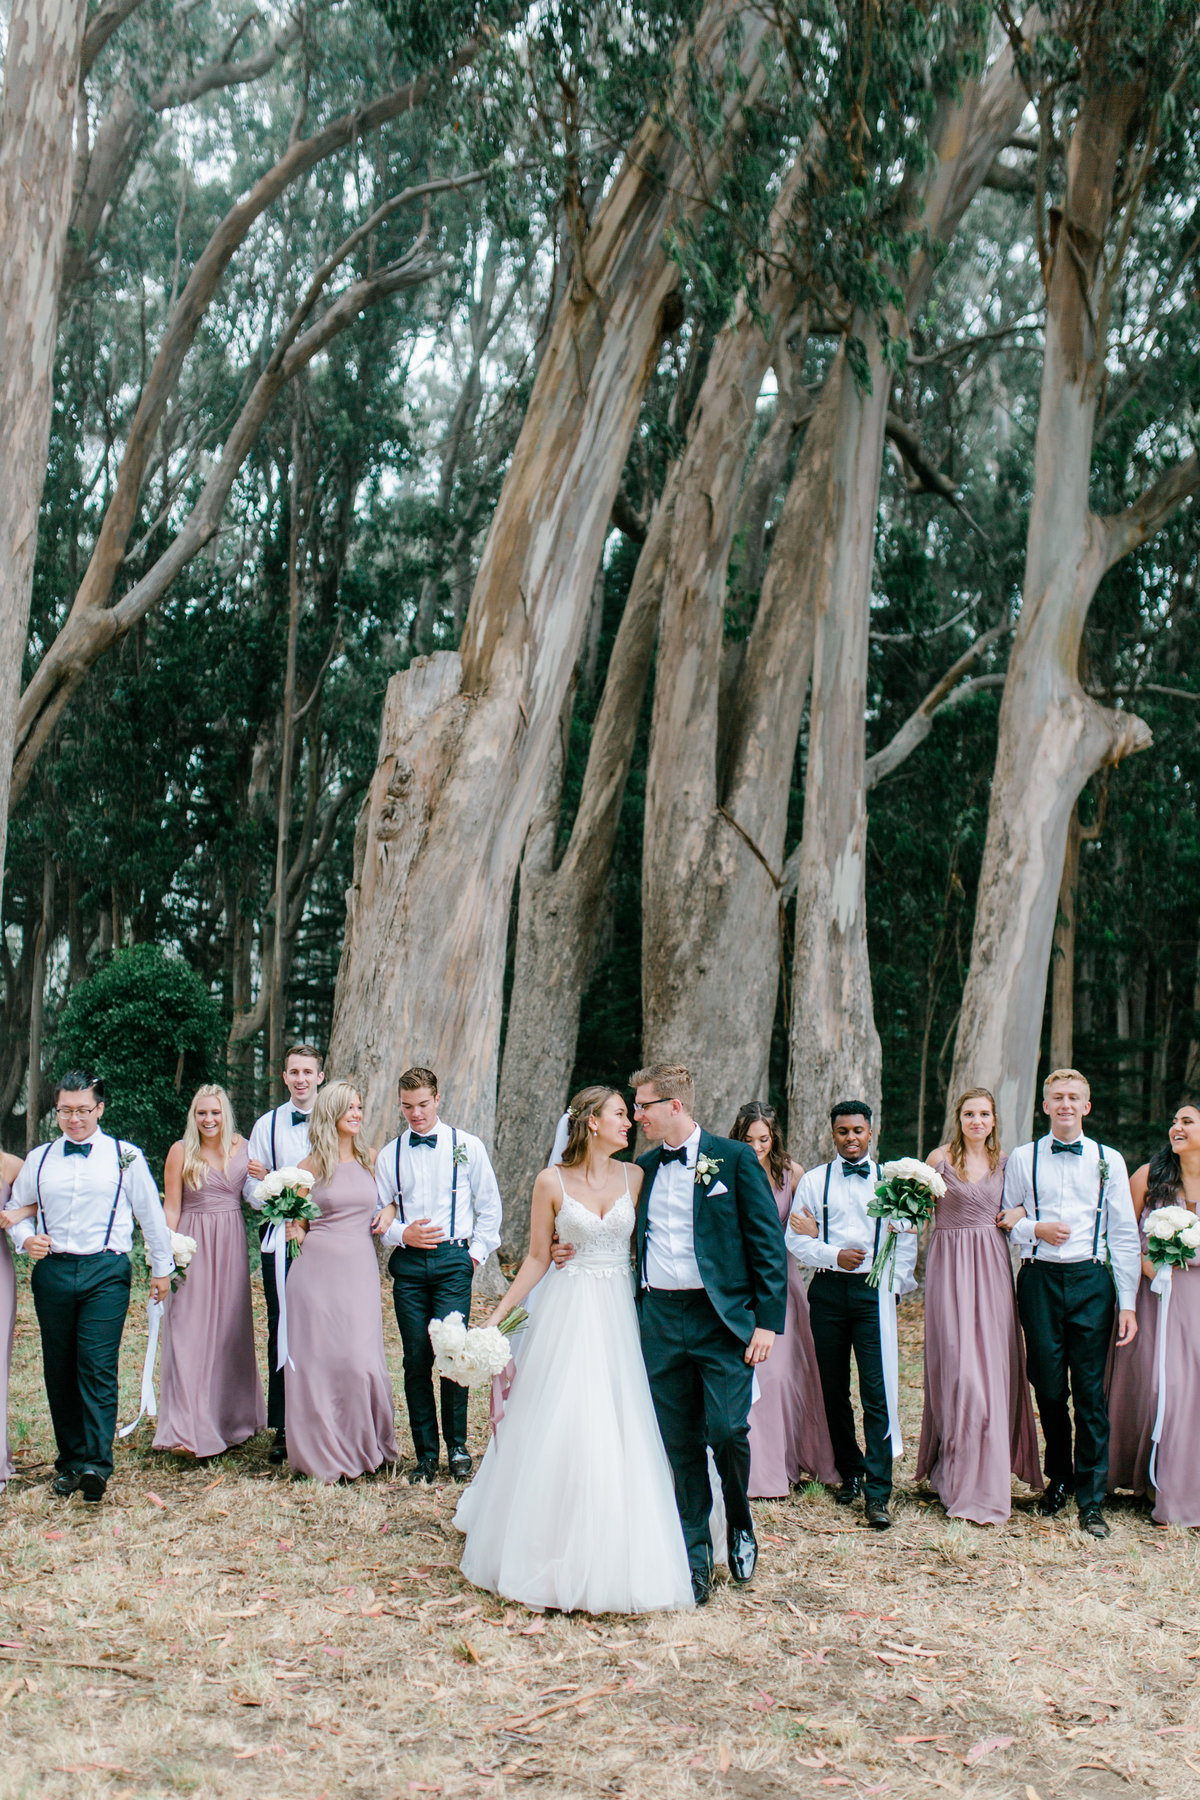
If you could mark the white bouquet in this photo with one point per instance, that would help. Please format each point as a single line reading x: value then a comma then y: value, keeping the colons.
x: 1172, y: 1237
x: 905, y: 1197
x: 183, y: 1249
x: 473, y: 1355
x: 283, y: 1195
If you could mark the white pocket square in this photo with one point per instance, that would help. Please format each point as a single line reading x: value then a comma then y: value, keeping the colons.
x: 718, y: 1187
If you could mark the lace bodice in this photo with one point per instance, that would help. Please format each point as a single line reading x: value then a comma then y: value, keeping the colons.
x: 601, y: 1245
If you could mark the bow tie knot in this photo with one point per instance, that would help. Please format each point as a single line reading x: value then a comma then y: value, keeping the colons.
x: 679, y: 1155
x: 856, y: 1168
x: 70, y: 1149
x: 299, y: 1118
x: 415, y: 1138
x: 1075, y: 1149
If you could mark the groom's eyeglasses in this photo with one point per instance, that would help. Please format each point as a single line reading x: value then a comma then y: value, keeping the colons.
x: 644, y: 1105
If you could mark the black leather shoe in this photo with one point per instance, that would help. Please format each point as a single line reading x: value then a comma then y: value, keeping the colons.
x: 64, y: 1485
x: 878, y: 1516
x: 278, y: 1451
x: 849, y: 1491
x: 1053, y: 1498
x: 92, y: 1485
x: 1093, y: 1521
x: 423, y: 1472
x: 460, y: 1462
x: 701, y: 1587
x: 743, y: 1555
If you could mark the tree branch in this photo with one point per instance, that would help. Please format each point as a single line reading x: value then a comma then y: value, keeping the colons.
x: 1124, y: 531
x: 919, y: 724
x: 100, y: 28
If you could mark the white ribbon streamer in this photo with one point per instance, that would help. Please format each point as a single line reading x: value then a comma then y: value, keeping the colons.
x: 1161, y: 1285
x: 275, y: 1244
x: 889, y: 1349
x: 155, y: 1311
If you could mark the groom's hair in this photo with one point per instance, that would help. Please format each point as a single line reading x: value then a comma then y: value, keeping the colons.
x: 848, y: 1109
x: 670, y: 1081
x: 412, y: 1079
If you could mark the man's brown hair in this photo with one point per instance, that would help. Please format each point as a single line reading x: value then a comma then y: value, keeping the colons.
x: 1066, y: 1075
x: 670, y: 1081
x: 412, y: 1079
x: 309, y: 1050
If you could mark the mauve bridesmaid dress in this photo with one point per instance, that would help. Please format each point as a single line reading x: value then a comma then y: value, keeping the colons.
x: 8, y: 1325
x: 789, y: 1437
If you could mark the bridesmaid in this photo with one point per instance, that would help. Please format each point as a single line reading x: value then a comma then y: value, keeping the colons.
x: 1170, y: 1178
x: 978, y: 1428
x: 10, y: 1168
x: 789, y: 1437
x: 340, y: 1411
x: 211, y: 1394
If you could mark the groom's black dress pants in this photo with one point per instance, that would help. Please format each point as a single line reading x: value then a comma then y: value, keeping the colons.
x: 701, y: 1386
x: 1067, y: 1312
x: 431, y: 1284
x: 276, y: 1408
x: 81, y: 1303
x: 844, y: 1313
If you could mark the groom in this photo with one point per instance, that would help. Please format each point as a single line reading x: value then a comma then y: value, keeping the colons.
x: 712, y: 1278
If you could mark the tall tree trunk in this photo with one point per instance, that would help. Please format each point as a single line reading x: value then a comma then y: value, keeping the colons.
x: 1062, y: 976
x: 1052, y: 735
x: 301, y: 500
x: 37, y: 120
x: 465, y: 737
x: 560, y: 907
x: 37, y: 1008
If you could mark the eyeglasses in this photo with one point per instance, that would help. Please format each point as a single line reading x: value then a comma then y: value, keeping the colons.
x: 643, y: 1105
x: 74, y: 1112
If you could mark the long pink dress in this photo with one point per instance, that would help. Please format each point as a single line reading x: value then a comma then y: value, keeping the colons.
x: 789, y: 1437
x: 211, y: 1393
x: 8, y: 1326
x: 1132, y: 1390
x: 340, y: 1410
x: 978, y: 1428
x: 1133, y: 1402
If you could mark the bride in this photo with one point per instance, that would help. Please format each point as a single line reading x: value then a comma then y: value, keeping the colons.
x: 573, y: 1506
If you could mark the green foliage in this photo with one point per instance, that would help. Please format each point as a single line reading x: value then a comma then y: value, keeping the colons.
x: 147, y: 1025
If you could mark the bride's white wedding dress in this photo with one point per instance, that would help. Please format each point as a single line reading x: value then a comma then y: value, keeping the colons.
x: 573, y: 1506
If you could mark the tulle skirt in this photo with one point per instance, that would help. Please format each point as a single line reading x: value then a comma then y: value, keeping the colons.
x: 573, y: 1506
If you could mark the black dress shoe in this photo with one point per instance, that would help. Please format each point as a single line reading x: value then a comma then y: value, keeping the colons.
x: 743, y: 1555
x: 460, y: 1462
x: 878, y: 1516
x: 1052, y: 1500
x: 701, y: 1587
x: 64, y: 1485
x: 92, y: 1485
x: 1093, y: 1521
x: 423, y: 1472
x: 849, y: 1491
x: 278, y: 1451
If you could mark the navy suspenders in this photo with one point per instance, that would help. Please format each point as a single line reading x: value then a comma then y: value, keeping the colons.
x: 399, y: 1193
x: 1099, y: 1205
x: 453, y: 1182
x: 825, y: 1207
x: 112, y: 1217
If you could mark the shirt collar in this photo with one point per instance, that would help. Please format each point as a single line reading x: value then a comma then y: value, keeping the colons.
x: 95, y: 1138
x: 691, y: 1144
x: 439, y: 1128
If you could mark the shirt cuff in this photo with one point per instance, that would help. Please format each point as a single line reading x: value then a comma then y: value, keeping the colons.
x: 159, y: 1268
x: 1023, y: 1231
x: 478, y: 1252
x: 1127, y: 1300
x: 393, y: 1237
x: 22, y: 1230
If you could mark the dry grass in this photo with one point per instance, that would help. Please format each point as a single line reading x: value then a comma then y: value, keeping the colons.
x: 221, y: 1630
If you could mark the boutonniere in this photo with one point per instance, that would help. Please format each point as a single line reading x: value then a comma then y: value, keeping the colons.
x: 707, y: 1167
x: 127, y: 1158
x: 1103, y: 1175
x: 459, y: 1155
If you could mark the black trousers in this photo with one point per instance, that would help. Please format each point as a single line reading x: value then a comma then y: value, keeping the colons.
x: 430, y: 1284
x: 275, y: 1402
x: 701, y: 1386
x: 1067, y: 1313
x: 81, y: 1303
x: 844, y: 1313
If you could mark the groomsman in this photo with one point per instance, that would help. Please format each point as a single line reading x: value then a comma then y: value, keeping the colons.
x: 279, y: 1140
x: 87, y: 1189
x: 1067, y: 1201
x: 447, y: 1223
x: 844, y: 1308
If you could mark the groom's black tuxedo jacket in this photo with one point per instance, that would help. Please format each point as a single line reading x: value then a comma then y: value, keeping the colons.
x: 738, y: 1238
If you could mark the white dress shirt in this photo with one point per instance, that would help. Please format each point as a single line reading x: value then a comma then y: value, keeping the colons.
x: 75, y: 1197
x: 844, y: 1224
x: 1068, y: 1193
x: 426, y: 1189
x: 291, y: 1146
x: 670, y: 1224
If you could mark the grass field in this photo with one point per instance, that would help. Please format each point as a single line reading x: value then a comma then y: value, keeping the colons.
x: 220, y: 1629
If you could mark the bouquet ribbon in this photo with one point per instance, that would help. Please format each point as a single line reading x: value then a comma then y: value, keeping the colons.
x: 275, y: 1244
x: 1161, y: 1285
x: 155, y: 1311
x: 889, y: 1349
x: 500, y: 1390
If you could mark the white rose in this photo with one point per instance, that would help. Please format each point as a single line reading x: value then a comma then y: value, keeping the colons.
x: 269, y: 1188
x: 293, y: 1178
x: 1160, y: 1224
x: 183, y: 1249
x: 1190, y: 1235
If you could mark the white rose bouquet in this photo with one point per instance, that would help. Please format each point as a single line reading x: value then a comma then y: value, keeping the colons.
x: 1172, y: 1237
x: 473, y: 1355
x: 183, y: 1248
x: 284, y: 1195
x: 905, y: 1197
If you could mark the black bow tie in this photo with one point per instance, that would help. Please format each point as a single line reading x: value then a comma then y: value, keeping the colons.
x: 299, y: 1118
x: 679, y: 1155
x: 70, y: 1149
x: 415, y: 1138
x: 1075, y: 1149
x: 862, y: 1168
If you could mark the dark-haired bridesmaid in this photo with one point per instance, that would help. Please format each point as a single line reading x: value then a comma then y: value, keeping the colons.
x: 977, y: 1430
x: 1170, y: 1178
x: 10, y: 1168
x: 789, y: 1438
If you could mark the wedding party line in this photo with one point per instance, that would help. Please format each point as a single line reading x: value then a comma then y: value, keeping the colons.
x: 664, y: 1362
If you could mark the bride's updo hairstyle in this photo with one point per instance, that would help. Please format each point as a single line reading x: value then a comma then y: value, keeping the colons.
x: 586, y: 1104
